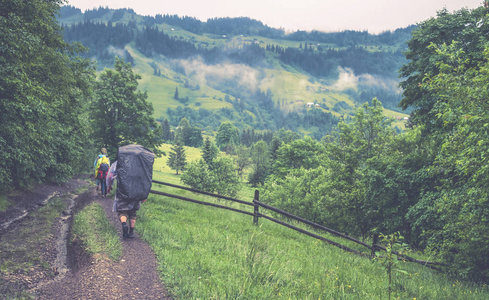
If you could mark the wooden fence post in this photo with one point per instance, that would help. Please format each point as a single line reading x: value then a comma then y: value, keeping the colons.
x: 375, y: 239
x: 256, y: 207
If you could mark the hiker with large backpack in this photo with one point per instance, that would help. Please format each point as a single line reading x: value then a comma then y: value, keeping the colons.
x: 101, y: 168
x: 133, y: 170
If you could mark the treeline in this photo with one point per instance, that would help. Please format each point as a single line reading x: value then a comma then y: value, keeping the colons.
x: 100, y: 37
x: 259, y: 112
x: 246, y: 26
x: 321, y: 62
x: 249, y: 27
x: 312, y: 58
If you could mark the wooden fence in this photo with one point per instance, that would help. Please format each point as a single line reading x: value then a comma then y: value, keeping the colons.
x: 256, y: 215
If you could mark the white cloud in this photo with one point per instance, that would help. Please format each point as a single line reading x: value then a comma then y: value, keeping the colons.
x: 242, y: 75
x: 348, y: 80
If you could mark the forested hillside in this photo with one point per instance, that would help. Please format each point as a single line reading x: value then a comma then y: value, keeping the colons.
x: 243, y: 71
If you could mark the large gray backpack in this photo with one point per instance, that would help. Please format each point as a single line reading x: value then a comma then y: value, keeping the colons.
x: 134, y: 172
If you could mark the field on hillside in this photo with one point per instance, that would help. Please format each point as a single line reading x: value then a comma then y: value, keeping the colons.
x: 213, y: 86
x: 210, y: 253
x: 291, y: 89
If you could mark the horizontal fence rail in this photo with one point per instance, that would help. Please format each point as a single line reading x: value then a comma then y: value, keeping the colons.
x: 311, y: 223
x: 202, y: 202
x: 204, y: 193
x: 256, y: 214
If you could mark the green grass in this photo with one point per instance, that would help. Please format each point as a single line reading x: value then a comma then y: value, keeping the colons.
x: 97, y: 235
x: 210, y: 253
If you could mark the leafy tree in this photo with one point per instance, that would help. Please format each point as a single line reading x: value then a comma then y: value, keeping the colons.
x: 191, y: 136
x: 121, y: 114
x: 44, y: 91
x: 222, y: 178
x: 332, y: 189
x: 464, y: 27
x: 227, y: 134
x: 461, y: 167
x: 351, y: 148
x: 226, y: 180
x: 177, y: 160
x: 242, y: 158
x: 260, y: 162
x: 446, y: 84
x: 305, y: 153
x: 274, y: 146
x: 183, y: 130
x: 198, y: 176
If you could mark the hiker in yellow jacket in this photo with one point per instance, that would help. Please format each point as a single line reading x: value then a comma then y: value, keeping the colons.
x: 101, y: 159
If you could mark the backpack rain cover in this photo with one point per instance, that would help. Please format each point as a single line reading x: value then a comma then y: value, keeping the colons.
x: 134, y: 172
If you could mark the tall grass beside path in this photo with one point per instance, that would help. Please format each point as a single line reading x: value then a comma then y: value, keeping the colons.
x: 209, y: 253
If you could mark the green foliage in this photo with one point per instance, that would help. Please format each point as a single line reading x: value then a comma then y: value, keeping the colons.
x: 466, y: 27
x: 227, y: 136
x: 44, y: 90
x: 461, y: 166
x: 260, y: 163
x: 242, y: 158
x: 209, y: 151
x: 328, y: 183
x: 167, y: 135
x: 218, y: 176
x: 226, y: 180
x: 393, y: 243
x: 191, y: 136
x: 120, y: 113
x: 177, y: 160
x: 198, y: 176
x: 304, y: 153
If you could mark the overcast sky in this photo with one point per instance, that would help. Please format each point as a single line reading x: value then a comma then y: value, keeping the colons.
x: 325, y: 15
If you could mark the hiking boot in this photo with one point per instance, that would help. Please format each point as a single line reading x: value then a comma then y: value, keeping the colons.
x: 131, y: 233
x: 125, y: 231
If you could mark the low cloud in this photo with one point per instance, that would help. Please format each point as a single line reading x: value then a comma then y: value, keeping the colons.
x: 117, y: 51
x: 348, y: 80
x: 239, y: 75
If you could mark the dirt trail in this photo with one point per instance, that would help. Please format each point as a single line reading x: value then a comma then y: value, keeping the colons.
x: 135, y: 276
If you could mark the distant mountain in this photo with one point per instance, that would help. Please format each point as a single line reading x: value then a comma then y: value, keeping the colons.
x: 239, y: 69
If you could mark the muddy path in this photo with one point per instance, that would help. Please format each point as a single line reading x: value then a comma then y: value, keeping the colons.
x: 73, y: 273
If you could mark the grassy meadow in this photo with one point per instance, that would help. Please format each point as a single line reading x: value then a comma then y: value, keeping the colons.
x: 210, y: 253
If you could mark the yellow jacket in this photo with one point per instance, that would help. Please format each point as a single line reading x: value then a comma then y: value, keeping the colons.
x: 102, y: 160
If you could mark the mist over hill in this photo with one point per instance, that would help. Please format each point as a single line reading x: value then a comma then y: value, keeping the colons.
x: 240, y: 70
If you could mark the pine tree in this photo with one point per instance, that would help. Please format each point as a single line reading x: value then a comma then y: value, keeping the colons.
x: 167, y: 135
x: 177, y: 160
x: 209, y: 151
x: 176, y: 94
